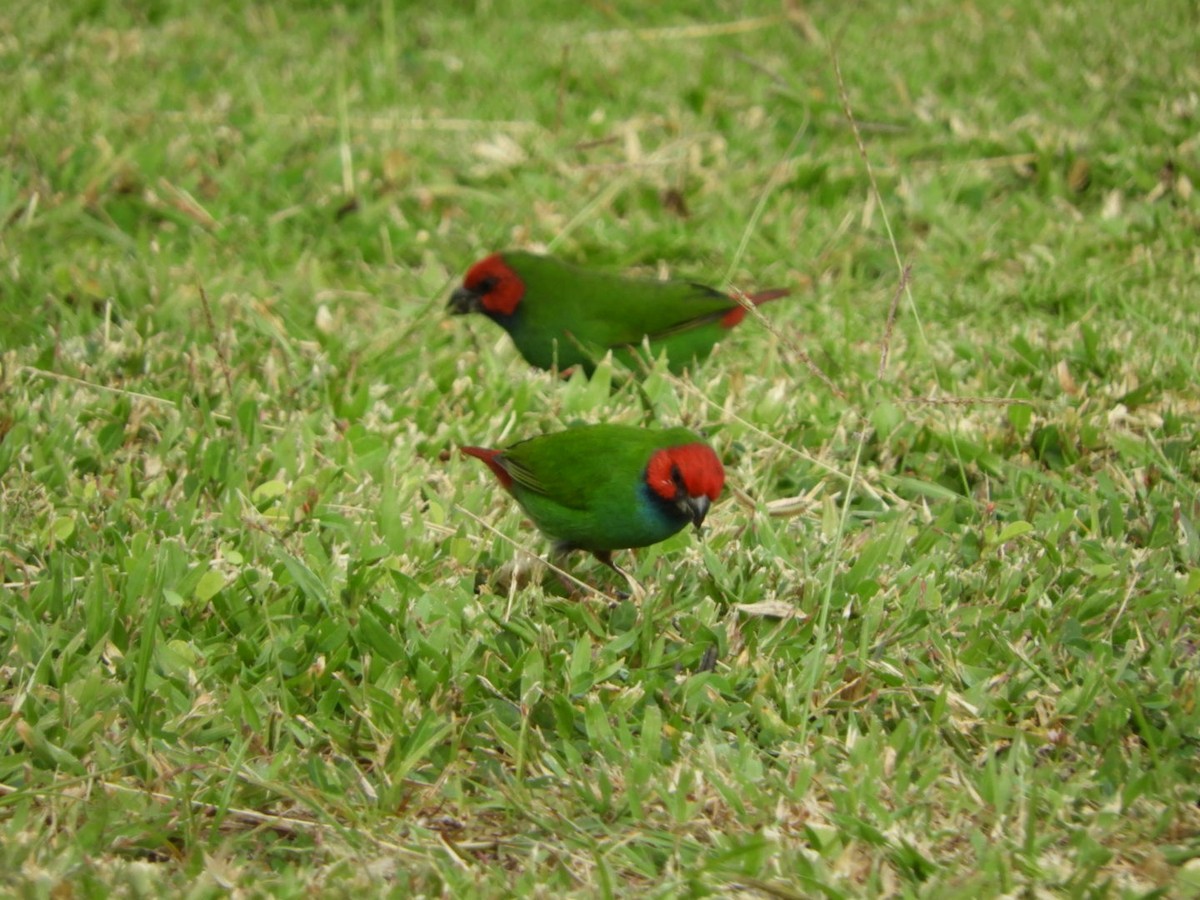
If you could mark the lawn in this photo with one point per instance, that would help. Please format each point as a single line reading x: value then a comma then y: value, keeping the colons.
x: 264, y: 631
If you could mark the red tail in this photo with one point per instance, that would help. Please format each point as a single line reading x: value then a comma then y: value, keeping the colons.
x: 489, y: 457
x: 735, y: 315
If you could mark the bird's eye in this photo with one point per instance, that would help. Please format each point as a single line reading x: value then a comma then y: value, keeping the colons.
x: 486, y: 285
x: 677, y: 477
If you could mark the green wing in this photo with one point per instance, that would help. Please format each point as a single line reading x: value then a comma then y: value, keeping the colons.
x: 602, y: 310
x: 576, y: 466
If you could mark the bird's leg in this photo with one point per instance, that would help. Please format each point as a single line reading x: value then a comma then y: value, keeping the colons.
x: 637, y: 593
x: 557, y: 558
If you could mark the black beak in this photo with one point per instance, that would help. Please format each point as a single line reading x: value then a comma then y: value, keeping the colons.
x: 464, y: 301
x: 696, y: 509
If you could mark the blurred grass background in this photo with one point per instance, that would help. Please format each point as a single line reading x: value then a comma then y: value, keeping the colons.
x: 251, y: 631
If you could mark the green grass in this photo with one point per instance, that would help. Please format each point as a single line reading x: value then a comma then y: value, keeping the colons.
x: 252, y: 633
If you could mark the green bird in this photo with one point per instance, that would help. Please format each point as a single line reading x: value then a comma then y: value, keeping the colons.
x: 602, y: 488
x: 560, y: 315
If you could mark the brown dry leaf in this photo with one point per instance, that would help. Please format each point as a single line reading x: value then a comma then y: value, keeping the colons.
x: 1079, y: 176
x: 1065, y: 380
x: 777, y: 609
x: 674, y: 202
x: 786, y: 507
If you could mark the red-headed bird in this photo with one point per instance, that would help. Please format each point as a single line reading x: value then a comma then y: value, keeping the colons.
x: 560, y: 315
x: 602, y: 488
